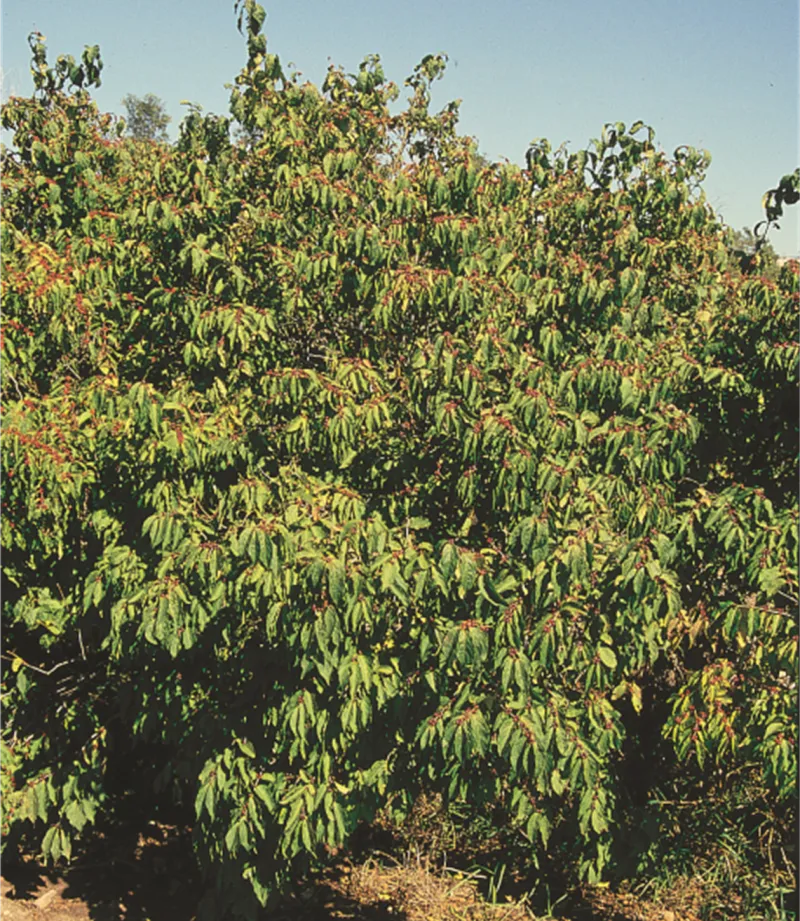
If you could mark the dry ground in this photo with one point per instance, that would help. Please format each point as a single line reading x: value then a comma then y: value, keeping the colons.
x: 150, y: 877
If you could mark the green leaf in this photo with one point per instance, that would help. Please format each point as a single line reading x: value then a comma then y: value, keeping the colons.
x: 75, y: 815
x: 448, y: 562
x: 469, y: 570
x: 599, y: 823
x: 505, y: 262
x: 336, y: 581
x: 607, y: 656
x: 636, y: 696
x: 557, y: 782
x: 246, y: 748
x: 418, y: 524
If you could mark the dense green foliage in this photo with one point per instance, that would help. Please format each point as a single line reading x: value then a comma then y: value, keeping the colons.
x: 337, y: 466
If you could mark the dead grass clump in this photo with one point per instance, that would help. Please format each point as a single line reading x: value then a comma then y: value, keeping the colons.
x: 625, y: 906
x: 418, y: 894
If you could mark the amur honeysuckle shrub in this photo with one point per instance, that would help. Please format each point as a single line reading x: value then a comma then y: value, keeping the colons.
x: 337, y: 467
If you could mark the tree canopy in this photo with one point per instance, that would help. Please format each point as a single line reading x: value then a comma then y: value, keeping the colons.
x: 340, y: 465
x: 146, y: 118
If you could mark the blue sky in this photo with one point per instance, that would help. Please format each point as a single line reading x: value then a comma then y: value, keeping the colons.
x: 711, y: 74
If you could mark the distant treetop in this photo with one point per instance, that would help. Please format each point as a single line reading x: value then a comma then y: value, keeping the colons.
x: 146, y: 118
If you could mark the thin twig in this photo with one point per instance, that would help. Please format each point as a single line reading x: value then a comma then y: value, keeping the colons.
x: 16, y: 384
x: 47, y: 672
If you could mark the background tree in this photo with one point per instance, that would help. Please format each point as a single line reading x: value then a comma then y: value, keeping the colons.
x: 146, y: 117
x: 480, y: 160
x: 763, y: 260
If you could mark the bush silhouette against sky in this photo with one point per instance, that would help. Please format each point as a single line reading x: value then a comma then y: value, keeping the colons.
x: 723, y: 82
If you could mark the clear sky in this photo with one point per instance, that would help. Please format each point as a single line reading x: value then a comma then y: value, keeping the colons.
x: 717, y: 74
